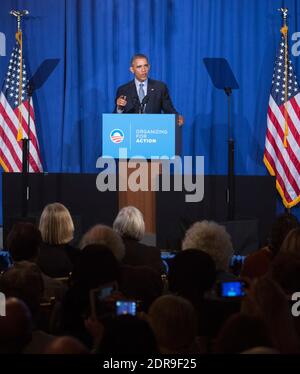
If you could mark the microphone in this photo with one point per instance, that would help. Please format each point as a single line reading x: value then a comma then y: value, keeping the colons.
x: 136, y: 104
x: 143, y: 103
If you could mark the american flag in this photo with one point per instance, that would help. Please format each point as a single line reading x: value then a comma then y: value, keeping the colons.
x: 14, y: 110
x: 282, y: 145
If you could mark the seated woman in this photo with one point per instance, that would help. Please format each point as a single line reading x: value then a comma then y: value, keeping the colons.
x: 130, y: 224
x: 57, y: 256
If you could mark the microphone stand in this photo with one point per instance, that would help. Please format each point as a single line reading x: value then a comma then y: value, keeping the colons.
x: 230, y: 170
x: 25, y: 160
x: 223, y: 78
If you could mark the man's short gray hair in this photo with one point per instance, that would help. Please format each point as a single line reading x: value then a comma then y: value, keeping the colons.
x: 211, y: 238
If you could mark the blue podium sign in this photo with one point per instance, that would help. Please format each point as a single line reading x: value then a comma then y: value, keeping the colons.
x: 142, y: 135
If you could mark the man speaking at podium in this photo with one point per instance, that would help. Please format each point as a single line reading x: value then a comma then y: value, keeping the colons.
x: 144, y: 95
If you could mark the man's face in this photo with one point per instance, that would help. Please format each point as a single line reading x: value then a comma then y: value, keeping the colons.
x: 140, y: 68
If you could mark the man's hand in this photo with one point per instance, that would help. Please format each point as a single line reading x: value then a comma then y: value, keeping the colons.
x: 180, y: 120
x: 121, y: 101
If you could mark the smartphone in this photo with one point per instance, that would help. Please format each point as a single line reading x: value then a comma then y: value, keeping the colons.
x: 98, y: 296
x: 166, y: 255
x: 237, y: 259
x: 232, y: 288
x: 124, y: 307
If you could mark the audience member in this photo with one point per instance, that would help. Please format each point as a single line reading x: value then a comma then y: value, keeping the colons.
x: 285, y: 270
x: 96, y: 266
x: 130, y: 224
x: 24, y: 242
x: 291, y: 243
x: 258, y: 263
x: 127, y: 334
x: 192, y: 272
x: 267, y: 301
x: 66, y: 345
x: 57, y: 256
x: 174, y: 322
x: 15, y: 327
x: 241, y: 332
x: 213, y: 239
x: 24, y: 281
x: 141, y: 283
x: 104, y: 235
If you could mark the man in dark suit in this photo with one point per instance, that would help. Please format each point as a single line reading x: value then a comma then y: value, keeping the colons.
x: 144, y: 95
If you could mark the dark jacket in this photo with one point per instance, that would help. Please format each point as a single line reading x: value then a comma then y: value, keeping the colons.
x: 157, y: 98
x: 57, y: 260
x: 139, y: 254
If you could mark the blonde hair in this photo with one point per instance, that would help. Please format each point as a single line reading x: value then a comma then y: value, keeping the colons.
x: 104, y: 235
x: 174, y: 322
x: 211, y: 238
x: 130, y: 222
x: 56, y: 224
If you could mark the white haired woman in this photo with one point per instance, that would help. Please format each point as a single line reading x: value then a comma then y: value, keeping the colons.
x: 212, y: 238
x: 130, y: 224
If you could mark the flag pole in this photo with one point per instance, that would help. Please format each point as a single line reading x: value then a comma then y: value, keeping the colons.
x: 19, y: 37
x: 25, y: 140
x: 284, y: 30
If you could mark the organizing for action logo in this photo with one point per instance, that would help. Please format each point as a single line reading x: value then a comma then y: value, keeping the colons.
x: 117, y: 136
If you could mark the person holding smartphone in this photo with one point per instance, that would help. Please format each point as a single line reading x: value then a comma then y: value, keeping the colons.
x: 144, y: 95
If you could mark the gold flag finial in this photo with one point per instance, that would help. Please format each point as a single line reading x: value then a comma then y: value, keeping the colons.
x: 19, y: 14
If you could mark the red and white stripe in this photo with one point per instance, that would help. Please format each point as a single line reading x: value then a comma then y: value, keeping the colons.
x: 10, y: 148
x: 283, y: 162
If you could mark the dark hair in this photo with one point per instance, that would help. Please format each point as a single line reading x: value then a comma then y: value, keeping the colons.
x: 24, y: 241
x: 241, y: 332
x: 285, y: 269
x: 141, y: 282
x: 191, y: 273
x: 283, y: 224
x: 138, y: 55
x: 95, y: 265
x: 127, y: 335
x: 24, y: 280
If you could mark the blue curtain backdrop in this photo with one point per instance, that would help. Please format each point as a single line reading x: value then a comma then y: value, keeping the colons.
x: 94, y: 40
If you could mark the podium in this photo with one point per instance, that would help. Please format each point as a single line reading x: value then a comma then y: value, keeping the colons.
x: 139, y: 142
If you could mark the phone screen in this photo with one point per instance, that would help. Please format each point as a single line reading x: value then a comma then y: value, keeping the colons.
x: 166, y: 256
x: 124, y: 307
x: 98, y: 295
x: 232, y: 289
x: 105, y: 292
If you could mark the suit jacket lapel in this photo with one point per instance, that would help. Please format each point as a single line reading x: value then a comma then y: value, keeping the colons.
x: 150, y: 89
x: 133, y: 89
x: 150, y: 93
